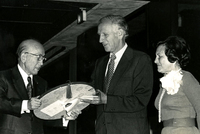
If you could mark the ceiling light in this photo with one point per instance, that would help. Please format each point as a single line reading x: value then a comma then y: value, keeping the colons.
x: 82, y: 16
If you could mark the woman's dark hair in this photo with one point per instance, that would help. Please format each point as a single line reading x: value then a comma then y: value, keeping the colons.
x: 176, y: 50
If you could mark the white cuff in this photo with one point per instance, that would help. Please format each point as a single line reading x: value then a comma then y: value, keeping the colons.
x: 65, y: 122
x: 24, y: 108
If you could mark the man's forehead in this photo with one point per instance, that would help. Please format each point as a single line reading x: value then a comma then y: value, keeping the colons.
x: 35, y: 47
x: 105, y: 28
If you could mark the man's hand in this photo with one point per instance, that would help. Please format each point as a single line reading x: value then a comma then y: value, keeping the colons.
x: 34, y: 103
x: 73, y: 115
x: 99, y: 98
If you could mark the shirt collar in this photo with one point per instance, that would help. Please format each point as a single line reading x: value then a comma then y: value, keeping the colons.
x: 120, y: 52
x: 24, y: 74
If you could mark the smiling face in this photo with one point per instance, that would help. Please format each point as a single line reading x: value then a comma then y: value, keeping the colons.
x: 163, y: 64
x: 30, y: 63
x: 109, y: 37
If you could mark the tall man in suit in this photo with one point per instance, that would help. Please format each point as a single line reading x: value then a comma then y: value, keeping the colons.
x: 16, y: 116
x: 122, y: 101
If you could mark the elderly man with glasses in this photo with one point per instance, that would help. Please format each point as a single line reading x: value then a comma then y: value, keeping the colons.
x: 19, y: 90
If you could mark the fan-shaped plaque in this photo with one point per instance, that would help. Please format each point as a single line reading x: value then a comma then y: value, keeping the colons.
x: 61, y: 100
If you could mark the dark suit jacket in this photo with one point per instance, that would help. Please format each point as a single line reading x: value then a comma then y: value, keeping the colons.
x: 129, y: 93
x: 12, y: 92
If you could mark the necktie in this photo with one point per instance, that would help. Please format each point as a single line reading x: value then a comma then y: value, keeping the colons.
x: 29, y: 87
x: 110, y: 72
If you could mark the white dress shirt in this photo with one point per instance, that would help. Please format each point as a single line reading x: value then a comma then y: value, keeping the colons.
x: 24, y: 108
x: 118, y: 57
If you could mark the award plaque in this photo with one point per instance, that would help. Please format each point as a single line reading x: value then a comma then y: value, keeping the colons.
x: 61, y: 100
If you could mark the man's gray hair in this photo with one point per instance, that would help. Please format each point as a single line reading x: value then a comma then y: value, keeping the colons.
x: 118, y: 20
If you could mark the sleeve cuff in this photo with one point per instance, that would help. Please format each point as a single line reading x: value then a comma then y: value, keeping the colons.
x: 65, y: 122
x: 24, y: 108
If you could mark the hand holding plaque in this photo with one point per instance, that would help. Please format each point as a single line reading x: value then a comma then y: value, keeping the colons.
x: 98, y: 98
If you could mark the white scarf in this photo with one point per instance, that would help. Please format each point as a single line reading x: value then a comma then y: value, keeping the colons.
x: 172, y: 81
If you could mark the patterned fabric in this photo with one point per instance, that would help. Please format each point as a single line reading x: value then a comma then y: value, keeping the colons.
x: 110, y: 72
x: 29, y: 87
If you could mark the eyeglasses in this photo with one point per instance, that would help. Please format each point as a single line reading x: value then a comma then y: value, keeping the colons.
x: 39, y: 57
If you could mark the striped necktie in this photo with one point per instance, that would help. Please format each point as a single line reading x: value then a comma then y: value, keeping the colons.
x: 110, y: 72
x: 29, y: 87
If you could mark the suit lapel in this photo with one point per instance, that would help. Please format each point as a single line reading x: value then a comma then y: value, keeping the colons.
x: 35, y: 86
x: 102, y: 72
x: 19, y: 83
x: 40, y: 86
